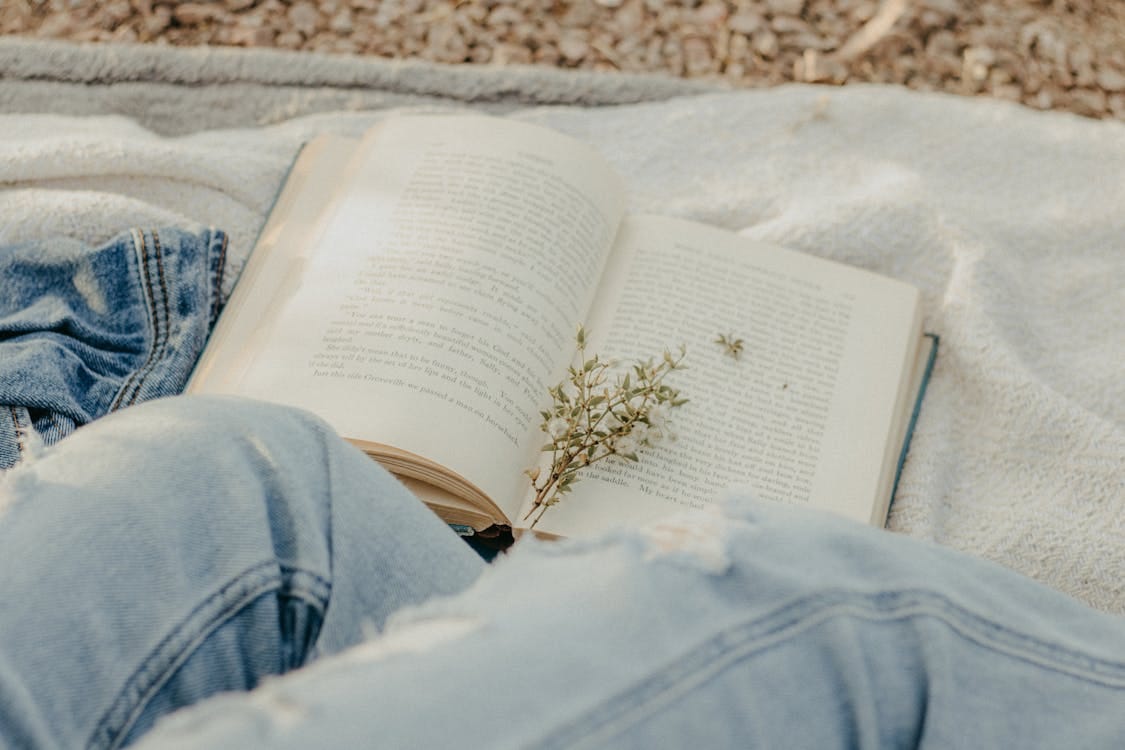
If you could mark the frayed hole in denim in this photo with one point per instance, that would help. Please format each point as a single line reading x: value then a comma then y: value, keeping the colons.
x: 283, y: 711
x: 17, y: 484
x: 700, y: 539
x: 413, y: 637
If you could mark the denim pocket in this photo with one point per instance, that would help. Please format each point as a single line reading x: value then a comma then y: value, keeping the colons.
x: 88, y: 330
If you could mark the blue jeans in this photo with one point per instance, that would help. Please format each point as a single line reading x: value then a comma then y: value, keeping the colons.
x: 89, y: 330
x: 190, y: 546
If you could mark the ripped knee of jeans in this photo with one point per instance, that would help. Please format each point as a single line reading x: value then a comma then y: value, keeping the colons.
x: 413, y: 635
x: 20, y: 482
x: 284, y: 711
x: 698, y: 539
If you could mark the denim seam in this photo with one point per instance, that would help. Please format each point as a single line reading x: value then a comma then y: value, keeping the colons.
x: 176, y: 647
x: 151, y: 365
x: 217, y: 284
x: 329, y: 464
x: 140, y: 252
x: 159, y: 332
x: 728, y: 647
x: 21, y: 431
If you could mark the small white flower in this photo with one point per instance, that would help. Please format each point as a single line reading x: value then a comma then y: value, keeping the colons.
x: 625, y: 444
x: 640, y: 433
x: 558, y: 427
x: 657, y: 415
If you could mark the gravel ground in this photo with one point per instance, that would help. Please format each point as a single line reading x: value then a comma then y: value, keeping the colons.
x: 1048, y: 54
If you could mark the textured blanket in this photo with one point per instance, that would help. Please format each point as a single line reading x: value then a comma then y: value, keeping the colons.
x: 1012, y: 222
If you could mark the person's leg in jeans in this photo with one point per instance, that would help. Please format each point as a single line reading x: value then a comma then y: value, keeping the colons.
x: 767, y: 627
x: 190, y: 546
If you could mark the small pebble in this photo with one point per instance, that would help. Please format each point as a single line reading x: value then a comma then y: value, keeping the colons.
x: 1048, y: 55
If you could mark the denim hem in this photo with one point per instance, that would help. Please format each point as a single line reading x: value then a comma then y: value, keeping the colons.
x: 218, y: 271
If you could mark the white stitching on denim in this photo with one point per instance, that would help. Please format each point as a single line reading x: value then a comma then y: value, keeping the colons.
x: 163, y: 335
x: 140, y: 252
x: 21, y: 430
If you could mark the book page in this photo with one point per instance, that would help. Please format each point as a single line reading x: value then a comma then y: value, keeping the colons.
x: 441, y: 294
x: 284, y: 240
x: 803, y: 415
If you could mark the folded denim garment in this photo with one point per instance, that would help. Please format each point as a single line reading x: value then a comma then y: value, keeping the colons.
x: 88, y: 330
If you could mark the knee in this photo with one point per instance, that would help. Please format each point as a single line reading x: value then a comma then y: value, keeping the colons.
x: 213, y: 430
x: 189, y: 446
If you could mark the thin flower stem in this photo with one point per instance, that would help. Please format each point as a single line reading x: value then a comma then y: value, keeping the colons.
x: 584, y: 412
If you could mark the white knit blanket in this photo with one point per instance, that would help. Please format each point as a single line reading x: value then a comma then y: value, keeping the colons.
x: 1012, y: 223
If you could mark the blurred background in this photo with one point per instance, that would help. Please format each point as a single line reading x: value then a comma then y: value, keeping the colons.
x: 1048, y: 54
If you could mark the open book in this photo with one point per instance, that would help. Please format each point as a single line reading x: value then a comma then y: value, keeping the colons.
x: 420, y: 288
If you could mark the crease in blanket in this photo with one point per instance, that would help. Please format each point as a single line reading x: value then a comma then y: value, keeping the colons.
x: 88, y: 330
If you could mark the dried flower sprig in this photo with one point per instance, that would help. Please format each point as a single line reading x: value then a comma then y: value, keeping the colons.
x: 732, y: 347
x: 596, y: 415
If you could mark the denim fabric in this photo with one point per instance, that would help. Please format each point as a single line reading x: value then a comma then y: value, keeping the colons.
x: 768, y: 626
x: 88, y: 330
x: 189, y: 546
x: 254, y: 539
